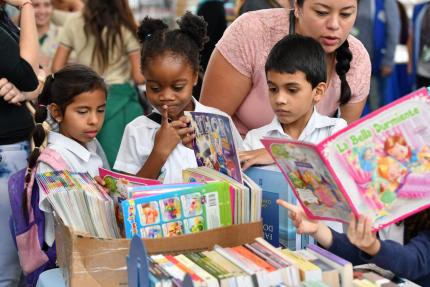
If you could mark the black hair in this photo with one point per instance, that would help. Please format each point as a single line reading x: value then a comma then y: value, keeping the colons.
x: 60, y: 89
x: 187, y: 41
x: 343, y: 59
x: 297, y: 53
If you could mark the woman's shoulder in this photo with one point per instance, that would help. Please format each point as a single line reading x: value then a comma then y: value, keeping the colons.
x: 262, y: 21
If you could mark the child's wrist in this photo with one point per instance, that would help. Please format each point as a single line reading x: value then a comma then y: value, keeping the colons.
x: 373, y: 249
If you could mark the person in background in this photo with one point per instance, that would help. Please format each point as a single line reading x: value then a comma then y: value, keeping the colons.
x: 422, y: 45
x: 235, y: 81
x: 378, y: 28
x: 18, y: 83
x: 252, y: 5
x: 103, y: 36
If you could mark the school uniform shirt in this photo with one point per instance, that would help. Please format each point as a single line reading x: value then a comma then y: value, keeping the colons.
x: 138, y: 142
x: 79, y: 159
x: 319, y: 127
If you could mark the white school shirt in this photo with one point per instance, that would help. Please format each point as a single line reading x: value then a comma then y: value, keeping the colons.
x: 138, y: 142
x: 78, y: 159
x: 319, y: 127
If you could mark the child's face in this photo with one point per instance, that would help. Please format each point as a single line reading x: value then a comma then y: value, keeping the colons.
x: 399, y: 152
x: 169, y: 81
x: 292, y: 97
x: 83, y: 117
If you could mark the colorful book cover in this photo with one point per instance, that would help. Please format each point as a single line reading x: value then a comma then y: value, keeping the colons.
x: 192, y: 209
x: 118, y: 183
x: 214, y: 144
x: 378, y: 166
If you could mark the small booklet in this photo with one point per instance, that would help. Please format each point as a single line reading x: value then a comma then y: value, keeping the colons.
x: 119, y: 184
x: 378, y: 166
x: 193, y: 208
x: 214, y: 144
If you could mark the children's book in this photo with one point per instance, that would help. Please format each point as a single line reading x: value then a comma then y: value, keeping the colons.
x: 192, y: 209
x: 214, y: 144
x: 378, y: 166
x: 118, y: 184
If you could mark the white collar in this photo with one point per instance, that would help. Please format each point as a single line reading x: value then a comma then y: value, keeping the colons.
x: 317, y: 121
x: 73, y: 146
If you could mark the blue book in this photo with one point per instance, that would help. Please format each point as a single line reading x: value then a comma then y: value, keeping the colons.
x: 278, y: 228
x: 192, y: 209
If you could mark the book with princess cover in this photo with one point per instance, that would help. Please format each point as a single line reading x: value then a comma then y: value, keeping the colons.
x: 188, y: 210
x: 378, y: 166
x: 214, y: 145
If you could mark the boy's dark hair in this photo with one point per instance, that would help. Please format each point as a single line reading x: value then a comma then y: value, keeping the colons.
x: 296, y: 53
x: 60, y: 88
x: 187, y: 41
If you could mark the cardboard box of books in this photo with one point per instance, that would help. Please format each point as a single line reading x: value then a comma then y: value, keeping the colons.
x: 89, y: 261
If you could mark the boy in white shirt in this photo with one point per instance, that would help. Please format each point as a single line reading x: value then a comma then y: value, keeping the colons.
x: 296, y: 77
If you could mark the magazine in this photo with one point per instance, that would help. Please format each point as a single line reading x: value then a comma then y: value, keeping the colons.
x: 214, y: 145
x: 119, y: 184
x: 379, y: 166
x: 189, y: 210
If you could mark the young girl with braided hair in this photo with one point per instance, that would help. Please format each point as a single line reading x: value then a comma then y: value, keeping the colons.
x: 235, y: 79
x: 73, y: 101
x: 156, y: 146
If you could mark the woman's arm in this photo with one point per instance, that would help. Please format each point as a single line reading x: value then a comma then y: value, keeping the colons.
x: 61, y: 57
x: 223, y: 86
x: 28, y: 40
x: 352, y: 111
x: 136, y: 74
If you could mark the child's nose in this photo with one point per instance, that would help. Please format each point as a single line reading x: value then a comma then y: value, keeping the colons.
x: 281, y: 98
x: 93, y: 118
x: 167, y: 95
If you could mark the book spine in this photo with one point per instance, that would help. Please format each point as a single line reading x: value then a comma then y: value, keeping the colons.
x: 328, y: 254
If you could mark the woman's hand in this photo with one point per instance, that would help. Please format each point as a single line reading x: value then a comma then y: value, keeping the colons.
x: 167, y: 137
x: 10, y: 93
x: 258, y: 156
x: 185, y: 132
x: 360, y: 234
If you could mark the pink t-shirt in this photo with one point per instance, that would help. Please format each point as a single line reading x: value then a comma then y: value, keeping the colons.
x: 246, y: 44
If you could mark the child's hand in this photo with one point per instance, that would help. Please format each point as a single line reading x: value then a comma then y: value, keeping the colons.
x: 167, y: 137
x: 184, y: 130
x: 258, y: 156
x: 303, y: 224
x: 360, y: 234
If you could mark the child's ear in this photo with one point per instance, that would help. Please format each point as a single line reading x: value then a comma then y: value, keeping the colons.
x: 196, y: 78
x: 319, y: 91
x: 55, y: 112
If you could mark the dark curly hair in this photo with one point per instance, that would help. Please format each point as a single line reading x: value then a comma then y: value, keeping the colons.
x: 187, y: 41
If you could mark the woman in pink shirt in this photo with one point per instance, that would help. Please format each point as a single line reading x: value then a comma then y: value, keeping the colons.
x: 235, y: 81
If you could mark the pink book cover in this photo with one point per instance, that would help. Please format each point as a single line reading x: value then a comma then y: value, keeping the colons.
x: 117, y: 183
x: 379, y: 166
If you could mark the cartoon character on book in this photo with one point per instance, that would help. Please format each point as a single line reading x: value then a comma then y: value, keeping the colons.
x: 152, y: 232
x: 197, y: 226
x: 171, y: 208
x: 393, y: 173
x: 321, y: 190
x: 174, y: 229
x: 423, y: 157
x: 148, y: 213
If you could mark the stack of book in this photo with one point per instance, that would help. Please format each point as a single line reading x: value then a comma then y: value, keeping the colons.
x: 257, y: 263
x: 80, y: 203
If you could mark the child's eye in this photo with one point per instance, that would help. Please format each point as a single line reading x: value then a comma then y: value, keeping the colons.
x: 82, y: 112
x: 178, y: 88
x: 292, y: 91
x: 101, y: 110
x: 155, y: 89
x: 273, y: 90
